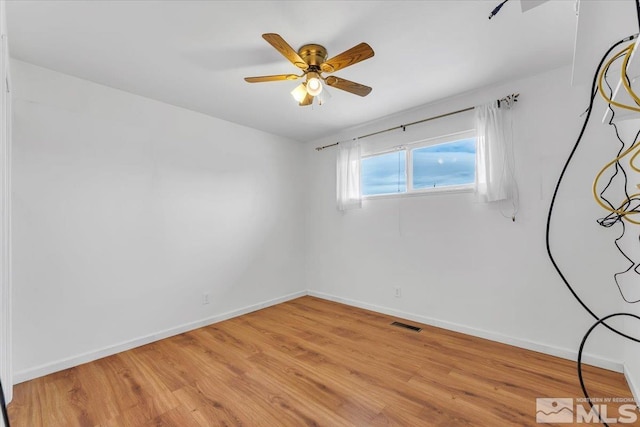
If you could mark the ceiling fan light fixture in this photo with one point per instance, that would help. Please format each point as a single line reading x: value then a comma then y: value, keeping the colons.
x: 314, y: 84
x: 299, y: 93
x: 312, y: 60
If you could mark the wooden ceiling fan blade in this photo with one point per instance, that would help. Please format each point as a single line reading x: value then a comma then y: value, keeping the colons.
x: 349, y: 86
x: 287, y: 51
x: 308, y: 100
x: 275, y: 78
x: 348, y: 57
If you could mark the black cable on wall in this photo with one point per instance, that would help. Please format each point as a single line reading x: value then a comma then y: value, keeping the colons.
x: 599, y: 321
x: 5, y: 414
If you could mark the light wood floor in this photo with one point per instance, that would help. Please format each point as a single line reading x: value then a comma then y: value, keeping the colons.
x: 308, y: 362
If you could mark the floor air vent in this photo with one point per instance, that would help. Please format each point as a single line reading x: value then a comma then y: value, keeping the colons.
x: 404, y: 325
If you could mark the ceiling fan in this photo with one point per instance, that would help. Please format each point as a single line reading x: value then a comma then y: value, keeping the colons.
x: 312, y: 60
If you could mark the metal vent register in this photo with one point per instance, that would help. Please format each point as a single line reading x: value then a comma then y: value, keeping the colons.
x: 404, y: 325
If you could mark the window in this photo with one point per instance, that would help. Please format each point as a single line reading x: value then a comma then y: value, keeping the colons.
x: 446, y: 163
x: 384, y: 173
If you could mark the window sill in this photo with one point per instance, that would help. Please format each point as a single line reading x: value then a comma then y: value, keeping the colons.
x: 426, y: 192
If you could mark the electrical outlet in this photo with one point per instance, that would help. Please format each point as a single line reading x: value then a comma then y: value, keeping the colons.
x: 205, y: 298
x: 398, y: 292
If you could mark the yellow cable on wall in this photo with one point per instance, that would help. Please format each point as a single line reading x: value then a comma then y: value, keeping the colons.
x: 624, y: 213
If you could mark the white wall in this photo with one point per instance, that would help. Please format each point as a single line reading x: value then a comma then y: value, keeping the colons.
x: 460, y: 264
x: 127, y: 210
x: 5, y: 214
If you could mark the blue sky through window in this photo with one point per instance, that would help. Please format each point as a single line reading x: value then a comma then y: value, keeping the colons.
x: 451, y: 163
x: 384, y: 174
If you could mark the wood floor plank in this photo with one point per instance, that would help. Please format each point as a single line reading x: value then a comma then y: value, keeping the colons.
x: 308, y: 362
x: 177, y: 417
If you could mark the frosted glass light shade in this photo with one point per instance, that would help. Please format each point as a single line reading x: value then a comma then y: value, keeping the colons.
x: 323, y: 97
x: 314, y: 86
x: 299, y: 93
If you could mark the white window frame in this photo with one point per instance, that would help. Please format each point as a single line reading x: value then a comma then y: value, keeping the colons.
x: 408, y: 170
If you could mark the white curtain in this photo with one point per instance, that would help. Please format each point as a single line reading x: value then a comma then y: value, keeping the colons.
x: 348, y: 193
x: 495, y: 174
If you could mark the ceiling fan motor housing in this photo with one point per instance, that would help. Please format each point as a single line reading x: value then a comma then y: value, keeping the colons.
x: 313, y: 54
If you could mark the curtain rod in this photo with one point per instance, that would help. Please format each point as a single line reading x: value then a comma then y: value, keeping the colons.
x: 508, y: 99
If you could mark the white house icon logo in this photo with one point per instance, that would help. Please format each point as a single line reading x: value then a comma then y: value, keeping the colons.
x: 556, y: 410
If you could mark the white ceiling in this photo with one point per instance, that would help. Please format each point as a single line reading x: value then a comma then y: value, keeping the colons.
x: 194, y: 54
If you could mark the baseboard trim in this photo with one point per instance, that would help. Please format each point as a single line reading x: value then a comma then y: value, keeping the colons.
x: 80, y: 359
x: 564, y: 353
x: 635, y: 391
